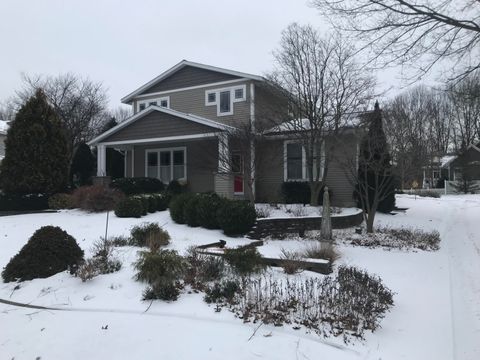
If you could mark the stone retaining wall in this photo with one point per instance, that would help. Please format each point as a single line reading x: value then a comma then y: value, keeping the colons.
x: 282, y: 226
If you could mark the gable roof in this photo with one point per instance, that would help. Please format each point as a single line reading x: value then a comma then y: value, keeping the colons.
x: 148, y: 110
x: 180, y: 66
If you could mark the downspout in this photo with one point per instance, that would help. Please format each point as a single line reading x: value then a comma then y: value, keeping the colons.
x: 252, y: 141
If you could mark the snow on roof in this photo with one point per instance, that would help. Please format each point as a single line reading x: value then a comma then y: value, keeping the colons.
x: 446, y: 160
x: 3, y: 127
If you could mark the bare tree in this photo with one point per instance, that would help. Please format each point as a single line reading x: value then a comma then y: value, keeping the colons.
x: 79, y: 102
x: 324, y: 83
x: 465, y: 102
x: 406, y: 31
x: 418, y: 128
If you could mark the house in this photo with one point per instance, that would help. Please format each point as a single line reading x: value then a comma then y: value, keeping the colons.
x: 3, y: 136
x: 463, y: 170
x: 184, y: 125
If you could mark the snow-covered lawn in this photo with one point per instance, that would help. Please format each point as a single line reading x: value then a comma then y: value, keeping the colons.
x: 436, y: 313
x: 299, y: 210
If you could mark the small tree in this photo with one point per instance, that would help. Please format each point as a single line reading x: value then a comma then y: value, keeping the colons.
x: 374, y: 188
x: 83, y: 165
x: 36, y: 157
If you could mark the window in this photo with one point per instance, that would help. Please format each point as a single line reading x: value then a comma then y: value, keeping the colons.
x: 166, y: 164
x: 436, y: 174
x: 237, y: 163
x: 163, y: 102
x: 239, y: 93
x: 295, y: 167
x: 294, y: 161
x: 225, y: 106
x: 211, y: 98
x: 225, y: 98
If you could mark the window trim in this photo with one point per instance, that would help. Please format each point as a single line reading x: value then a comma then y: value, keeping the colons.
x: 304, y: 161
x: 232, y: 97
x: 158, y: 100
x: 171, y: 150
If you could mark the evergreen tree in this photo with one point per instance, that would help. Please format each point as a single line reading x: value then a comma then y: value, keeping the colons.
x: 375, y: 186
x: 36, y: 156
x: 83, y: 165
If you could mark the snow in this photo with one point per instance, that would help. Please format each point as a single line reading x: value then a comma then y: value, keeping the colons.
x: 436, y: 313
x: 282, y: 211
x: 446, y: 160
x: 3, y: 127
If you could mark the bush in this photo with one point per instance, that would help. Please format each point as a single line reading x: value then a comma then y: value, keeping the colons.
x: 175, y: 188
x: 152, y: 204
x: 162, y: 201
x: 177, y: 207
x: 144, y: 202
x: 49, y: 250
x: 61, y: 201
x: 207, y: 208
x: 223, y: 291
x: 298, y: 192
x: 317, y: 251
x: 203, y: 268
x: 140, y: 185
x: 190, y: 211
x: 244, y: 261
x: 149, y: 234
x: 96, y: 198
x: 161, y: 270
x: 29, y: 202
x: 290, y: 266
x: 129, y: 207
x: 236, y: 217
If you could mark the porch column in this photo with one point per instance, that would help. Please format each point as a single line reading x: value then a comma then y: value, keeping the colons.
x: 223, y: 153
x: 101, y: 160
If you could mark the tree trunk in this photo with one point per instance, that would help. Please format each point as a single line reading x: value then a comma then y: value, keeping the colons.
x: 315, y: 188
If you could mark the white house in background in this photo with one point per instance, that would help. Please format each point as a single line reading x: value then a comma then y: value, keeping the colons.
x: 3, y: 136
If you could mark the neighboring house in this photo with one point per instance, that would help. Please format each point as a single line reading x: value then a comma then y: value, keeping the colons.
x: 3, y: 136
x: 182, y: 129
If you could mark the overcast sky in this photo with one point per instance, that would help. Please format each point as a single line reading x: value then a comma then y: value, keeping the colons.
x: 127, y: 43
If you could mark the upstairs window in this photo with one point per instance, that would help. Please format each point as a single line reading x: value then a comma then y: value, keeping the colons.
x: 225, y: 98
x: 163, y: 102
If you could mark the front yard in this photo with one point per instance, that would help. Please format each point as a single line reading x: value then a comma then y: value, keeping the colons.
x: 436, y: 313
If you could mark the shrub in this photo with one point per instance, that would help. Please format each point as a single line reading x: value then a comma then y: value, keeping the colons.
x: 61, y: 201
x: 96, y: 198
x: 236, y: 217
x: 152, y: 204
x: 161, y: 270
x: 317, y: 251
x: 119, y: 240
x: 103, y: 257
x: 244, y: 261
x: 17, y: 202
x: 138, y: 185
x: 207, y: 208
x: 298, y: 192
x: 222, y: 291
x: 203, y: 268
x: 49, y: 250
x: 129, y: 207
x: 263, y: 211
x: 190, y: 211
x: 162, y: 201
x: 177, y: 207
x: 290, y: 266
x: 144, y: 202
x: 149, y: 234
x: 175, y: 188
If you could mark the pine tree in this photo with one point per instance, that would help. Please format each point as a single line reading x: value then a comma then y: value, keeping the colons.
x: 83, y: 165
x: 375, y: 186
x: 36, y: 156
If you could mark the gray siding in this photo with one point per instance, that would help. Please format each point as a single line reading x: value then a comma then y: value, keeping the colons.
x: 193, y: 102
x: 270, y: 172
x: 202, y: 161
x: 189, y: 76
x: 158, y: 124
x: 271, y: 108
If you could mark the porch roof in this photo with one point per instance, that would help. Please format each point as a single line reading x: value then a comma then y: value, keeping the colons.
x: 215, y: 126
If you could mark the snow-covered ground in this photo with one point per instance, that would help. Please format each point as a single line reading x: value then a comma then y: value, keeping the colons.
x: 299, y: 210
x: 436, y: 313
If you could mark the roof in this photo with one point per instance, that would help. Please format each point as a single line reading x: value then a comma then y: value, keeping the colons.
x: 446, y: 160
x: 181, y: 65
x: 3, y: 127
x: 351, y: 121
x: 148, y: 110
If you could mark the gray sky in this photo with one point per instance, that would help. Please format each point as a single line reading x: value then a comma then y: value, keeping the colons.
x: 127, y: 43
